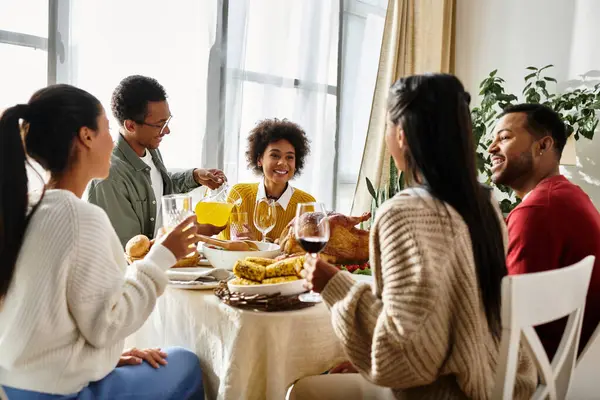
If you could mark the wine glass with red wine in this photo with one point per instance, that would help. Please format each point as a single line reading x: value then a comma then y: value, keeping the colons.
x: 311, y: 228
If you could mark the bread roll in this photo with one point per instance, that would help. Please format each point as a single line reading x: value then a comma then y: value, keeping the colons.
x: 138, y: 246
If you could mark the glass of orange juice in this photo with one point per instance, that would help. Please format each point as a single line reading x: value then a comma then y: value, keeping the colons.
x: 217, y: 206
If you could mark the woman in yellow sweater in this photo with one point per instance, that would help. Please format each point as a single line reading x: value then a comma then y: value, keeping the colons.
x: 276, y: 150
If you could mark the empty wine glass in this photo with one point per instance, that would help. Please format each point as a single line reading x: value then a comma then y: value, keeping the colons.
x: 265, y: 216
x: 311, y: 228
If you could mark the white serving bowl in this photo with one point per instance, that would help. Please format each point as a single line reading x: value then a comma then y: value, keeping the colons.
x: 226, y: 259
x: 285, y: 288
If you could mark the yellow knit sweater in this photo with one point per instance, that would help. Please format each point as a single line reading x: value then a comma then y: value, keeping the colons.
x: 421, y: 329
x: 248, y: 193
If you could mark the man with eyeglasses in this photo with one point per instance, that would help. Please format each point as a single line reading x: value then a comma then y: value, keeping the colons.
x: 131, y: 195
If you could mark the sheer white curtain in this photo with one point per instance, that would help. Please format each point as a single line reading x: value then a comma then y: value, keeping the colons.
x: 169, y: 41
x: 282, y: 62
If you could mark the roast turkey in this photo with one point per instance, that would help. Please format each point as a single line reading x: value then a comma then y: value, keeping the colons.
x: 347, y: 243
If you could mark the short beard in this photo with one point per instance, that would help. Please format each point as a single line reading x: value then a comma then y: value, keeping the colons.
x: 518, y: 169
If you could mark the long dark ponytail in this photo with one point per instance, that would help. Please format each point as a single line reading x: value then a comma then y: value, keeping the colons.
x: 50, y: 122
x: 433, y: 111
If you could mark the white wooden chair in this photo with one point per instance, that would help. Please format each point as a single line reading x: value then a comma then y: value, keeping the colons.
x: 586, y: 381
x: 336, y: 387
x: 534, y: 299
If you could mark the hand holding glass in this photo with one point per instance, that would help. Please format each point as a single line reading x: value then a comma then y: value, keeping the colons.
x: 311, y: 228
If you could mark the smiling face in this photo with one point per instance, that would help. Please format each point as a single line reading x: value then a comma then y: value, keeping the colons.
x: 512, y: 151
x: 279, y: 161
x: 149, y: 133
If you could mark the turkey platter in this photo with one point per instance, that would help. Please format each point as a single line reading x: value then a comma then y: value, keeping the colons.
x: 347, y: 243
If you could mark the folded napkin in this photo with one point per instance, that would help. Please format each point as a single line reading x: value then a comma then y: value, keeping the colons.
x: 179, y: 274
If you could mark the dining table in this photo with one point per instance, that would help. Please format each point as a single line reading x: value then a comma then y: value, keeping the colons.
x: 244, y: 354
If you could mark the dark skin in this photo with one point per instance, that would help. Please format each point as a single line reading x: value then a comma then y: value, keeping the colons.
x: 148, y: 134
x: 278, y: 163
x: 520, y: 159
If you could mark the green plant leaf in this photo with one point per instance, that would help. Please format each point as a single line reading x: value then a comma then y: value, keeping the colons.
x: 372, y: 191
x: 493, y: 73
x: 531, y: 68
x: 549, y: 79
x: 528, y: 77
x: 546, y: 67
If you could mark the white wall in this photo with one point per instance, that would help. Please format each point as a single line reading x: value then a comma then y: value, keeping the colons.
x: 510, y: 35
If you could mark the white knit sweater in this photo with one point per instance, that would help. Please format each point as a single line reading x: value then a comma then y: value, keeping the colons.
x: 73, y: 300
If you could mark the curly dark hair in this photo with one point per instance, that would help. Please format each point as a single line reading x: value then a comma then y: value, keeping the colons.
x: 272, y: 130
x: 130, y: 99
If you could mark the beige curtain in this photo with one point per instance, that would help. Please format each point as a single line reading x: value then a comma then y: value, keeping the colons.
x: 418, y: 37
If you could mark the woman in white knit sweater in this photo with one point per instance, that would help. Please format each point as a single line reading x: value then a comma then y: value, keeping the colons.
x: 67, y: 297
x: 430, y: 325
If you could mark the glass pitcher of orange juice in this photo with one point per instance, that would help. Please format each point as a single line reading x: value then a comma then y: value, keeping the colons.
x: 217, y: 205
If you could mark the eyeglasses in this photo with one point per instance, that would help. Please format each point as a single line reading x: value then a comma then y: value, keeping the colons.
x: 157, y: 126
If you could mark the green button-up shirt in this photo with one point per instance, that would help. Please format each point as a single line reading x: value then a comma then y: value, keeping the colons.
x: 127, y: 195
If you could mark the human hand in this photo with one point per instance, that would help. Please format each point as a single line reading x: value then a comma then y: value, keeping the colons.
x: 344, y: 368
x: 209, y: 230
x: 242, y: 233
x: 154, y: 357
x: 317, y: 273
x: 211, y: 178
x: 181, y: 239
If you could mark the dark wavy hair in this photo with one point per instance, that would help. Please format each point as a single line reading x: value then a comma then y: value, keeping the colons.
x: 52, y: 120
x: 272, y: 130
x: 130, y: 98
x: 434, y: 113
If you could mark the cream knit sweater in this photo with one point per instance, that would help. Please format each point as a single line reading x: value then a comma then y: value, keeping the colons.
x: 421, y: 329
x: 73, y: 300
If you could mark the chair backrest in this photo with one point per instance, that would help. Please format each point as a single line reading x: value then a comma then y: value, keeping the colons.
x: 585, y: 383
x: 534, y: 299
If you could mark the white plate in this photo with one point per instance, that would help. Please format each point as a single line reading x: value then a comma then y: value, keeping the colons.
x: 285, y: 288
x: 194, y: 285
x: 226, y: 259
x: 183, y: 278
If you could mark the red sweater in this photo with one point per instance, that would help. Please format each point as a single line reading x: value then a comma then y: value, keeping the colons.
x: 555, y: 226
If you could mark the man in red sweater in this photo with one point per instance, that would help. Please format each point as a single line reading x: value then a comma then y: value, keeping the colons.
x: 556, y: 224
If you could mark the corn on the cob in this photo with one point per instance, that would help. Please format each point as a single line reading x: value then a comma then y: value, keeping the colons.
x: 249, y: 270
x: 242, y: 281
x: 260, y: 260
x: 287, y: 267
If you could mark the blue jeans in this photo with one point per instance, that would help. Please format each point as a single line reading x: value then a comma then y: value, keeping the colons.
x: 181, y: 378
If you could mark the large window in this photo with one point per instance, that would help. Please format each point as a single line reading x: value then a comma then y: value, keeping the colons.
x: 225, y: 65
x: 23, y: 49
x: 363, y: 22
x: 282, y: 61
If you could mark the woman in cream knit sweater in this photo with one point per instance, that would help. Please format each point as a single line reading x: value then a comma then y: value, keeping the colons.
x: 430, y: 327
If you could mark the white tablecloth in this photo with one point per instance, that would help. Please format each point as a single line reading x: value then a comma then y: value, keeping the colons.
x: 243, y: 354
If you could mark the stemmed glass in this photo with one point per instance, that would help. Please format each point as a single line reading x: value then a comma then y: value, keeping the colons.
x: 311, y: 228
x: 265, y: 216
